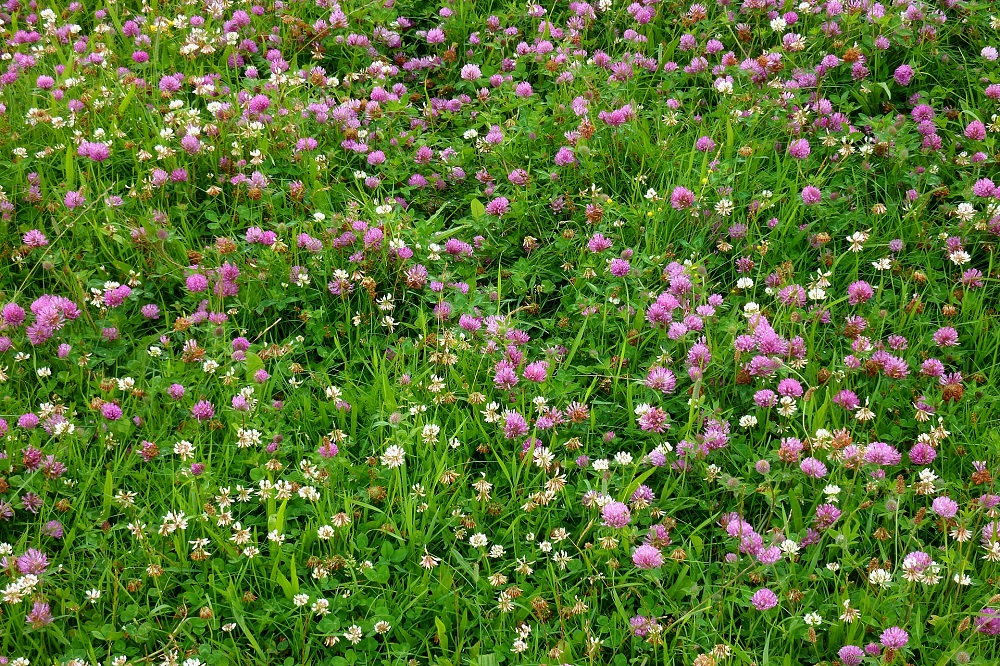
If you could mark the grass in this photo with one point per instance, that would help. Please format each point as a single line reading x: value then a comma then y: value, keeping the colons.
x: 327, y: 338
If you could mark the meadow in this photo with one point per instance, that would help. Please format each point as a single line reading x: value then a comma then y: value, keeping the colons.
x: 486, y: 333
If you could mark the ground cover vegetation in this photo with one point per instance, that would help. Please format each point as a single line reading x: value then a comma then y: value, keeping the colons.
x: 491, y: 333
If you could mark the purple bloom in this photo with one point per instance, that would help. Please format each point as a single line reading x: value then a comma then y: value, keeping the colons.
x: 922, y: 454
x: 74, y: 199
x: 619, y: 267
x: 98, y: 152
x: 53, y: 529
x: 975, y: 130
x: 789, y: 387
x: 203, y: 410
x: 661, y: 379
x: 33, y: 561
x: 13, y: 314
x: 681, y: 198
x: 813, y: 468
x: 880, y: 453
x: 111, y: 411
x: 39, y: 616
x: 647, y: 557
x: 944, y: 507
x: 27, y: 421
x: 704, y: 144
x: 514, y: 425
x: 640, y: 626
x: 984, y: 187
x: 505, y: 375
x: 537, y: 371
x: 616, y: 514
x: 196, y: 283
x: 564, y: 157
x: 498, y: 206
x: 826, y: 515
x: 471, y: 72
x: 894, y: 638
x: 946, y: 336
x: 598, y: 243
x: 859, y: 292
x: 851, y: 655
x: 988, y: 622
x: 903, y: 75
x: 764, y: 599
x: 811, y: 195
x: 799, y: 149
x: 35, y: 238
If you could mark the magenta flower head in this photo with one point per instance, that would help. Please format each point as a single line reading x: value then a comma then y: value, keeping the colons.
x: 497, y: 207
x: 988, y: 622
x: 598, y: 243
x: 984, y: 187
x: 203, y: 410
x: 764, y: 599
x: 176, y: 391
x: 944, y: 507
x: 471, y: 72
x: 922, y: 453
x: 27, y: 421
x: 13, y: 314
x: 704, y: 144
x: 811, y: 195
x: 975, y: 130
x: 616, y: 514
x: 859, y: 292
x: 946, y: 336
x: 259, y: 103
x: 619, y: 267
x: 53, y: 529
x: 537, y: 371
x: 800, y: 149
x: 111, y: 411
x: 894, y: 638
x: 514, y: 425
x: 851, y: 655
x: 903, y: 75
x: 33, y: 561
x: 35, y: 238
x: 647, y: 557
x: 813, y: 468
x: 39, y: 616
x: 564, y: 156
x: 681, y: 198
x: 74, y: 199
x: 196, y: 283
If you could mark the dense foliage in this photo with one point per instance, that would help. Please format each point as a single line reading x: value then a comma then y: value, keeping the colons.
x: 489, y: 333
